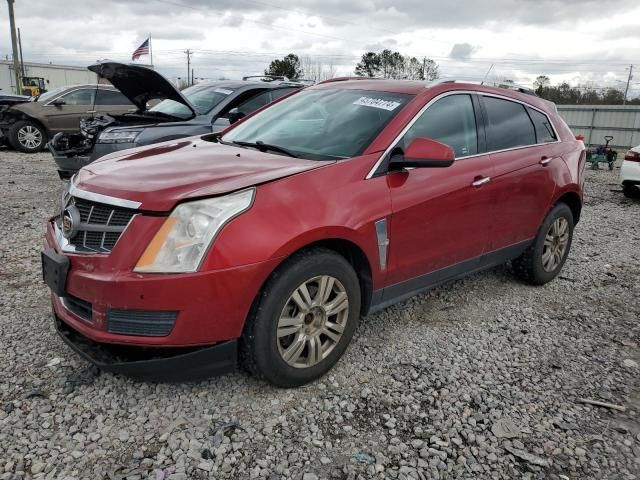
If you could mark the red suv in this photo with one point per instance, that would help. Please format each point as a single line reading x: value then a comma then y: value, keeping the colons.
x: 268, y: 242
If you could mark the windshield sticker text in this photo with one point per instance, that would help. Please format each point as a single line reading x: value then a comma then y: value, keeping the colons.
x: 224, y: 91
x: 377, y: 103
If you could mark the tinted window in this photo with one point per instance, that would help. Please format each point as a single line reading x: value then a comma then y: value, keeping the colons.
x: 322, y: 123
x: 79, y: 97
x: 109, y: 97
x: 451, y: 121
x: 281, y: 92
x: 544, y: 130
x: 255, y: 102
x: 508, y: 124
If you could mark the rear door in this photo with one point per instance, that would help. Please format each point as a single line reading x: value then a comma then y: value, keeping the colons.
x: 439, y: 218
x: 66, y: 116
x: 112, y: 102
x: 525, y: 159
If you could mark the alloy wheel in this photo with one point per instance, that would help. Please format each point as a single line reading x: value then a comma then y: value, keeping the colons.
x: 30, y: 137
x: 555, y: 244
x: 312, y: 321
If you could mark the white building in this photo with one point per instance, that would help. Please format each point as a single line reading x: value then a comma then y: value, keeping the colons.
x: 54, y: 75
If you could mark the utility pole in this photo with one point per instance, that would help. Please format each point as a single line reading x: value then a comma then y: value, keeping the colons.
x: 20, y: 48
x: 189, y: 53
x: 626, y: 90
x: 14, y: 48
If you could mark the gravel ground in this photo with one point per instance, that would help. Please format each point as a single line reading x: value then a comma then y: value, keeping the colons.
x: 478, y: 379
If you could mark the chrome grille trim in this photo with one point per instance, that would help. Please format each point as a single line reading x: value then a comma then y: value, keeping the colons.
x: 100, y: 198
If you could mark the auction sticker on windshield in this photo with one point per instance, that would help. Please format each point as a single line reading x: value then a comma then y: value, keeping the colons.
x: 224, y: 90
x: 377, y: 103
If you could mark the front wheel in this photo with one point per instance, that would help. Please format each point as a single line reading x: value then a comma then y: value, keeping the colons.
x: 27, y: 136
x: 544, y: 258
x: 303, y: 319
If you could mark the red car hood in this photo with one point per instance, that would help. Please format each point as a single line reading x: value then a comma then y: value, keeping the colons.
x: 161, y: 175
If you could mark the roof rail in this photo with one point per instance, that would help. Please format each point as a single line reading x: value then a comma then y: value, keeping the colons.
x: 267, y: 78
x: 344, y: 79
x: 508, y: 86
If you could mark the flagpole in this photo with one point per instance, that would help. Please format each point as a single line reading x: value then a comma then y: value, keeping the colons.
x: 150, y: 50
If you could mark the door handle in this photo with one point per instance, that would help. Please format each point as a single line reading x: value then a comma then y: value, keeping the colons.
x: 544, y: 161
x: 481, y: 181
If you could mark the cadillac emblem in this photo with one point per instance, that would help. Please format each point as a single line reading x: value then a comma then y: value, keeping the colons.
x: 70, y: 222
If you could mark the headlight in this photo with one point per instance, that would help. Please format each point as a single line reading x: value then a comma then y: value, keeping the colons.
x: 119, y: 136
x: 185, y: 237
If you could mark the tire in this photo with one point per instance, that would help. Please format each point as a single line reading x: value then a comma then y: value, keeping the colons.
x: 534, y: 265
x: 631, y: 191
x: 27, y: 136
x: 266, y: 341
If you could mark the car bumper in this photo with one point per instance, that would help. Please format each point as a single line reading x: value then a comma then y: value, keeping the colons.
x: 169, y: 365
x: 208, y: 308
x: 630, y: 173
x: 69, y: 165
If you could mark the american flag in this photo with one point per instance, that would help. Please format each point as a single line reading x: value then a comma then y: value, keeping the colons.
x: 141, y: 50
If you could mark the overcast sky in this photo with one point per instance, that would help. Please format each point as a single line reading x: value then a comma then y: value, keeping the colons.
x: 578, y: 41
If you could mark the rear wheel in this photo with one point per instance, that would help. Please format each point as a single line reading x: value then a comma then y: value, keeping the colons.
x: 27, y: 136
x: 303, y: 319
x: 544, y: 258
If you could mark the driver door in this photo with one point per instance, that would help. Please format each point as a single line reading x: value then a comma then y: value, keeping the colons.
x: 66, y: 116
x: 440, y: 216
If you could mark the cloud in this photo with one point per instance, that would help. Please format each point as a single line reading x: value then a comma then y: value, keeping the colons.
x: 461, y: 51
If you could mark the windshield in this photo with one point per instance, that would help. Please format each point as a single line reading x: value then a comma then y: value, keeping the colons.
x: 203, y: 97
x: 323, y: 123
x: 45, y: 97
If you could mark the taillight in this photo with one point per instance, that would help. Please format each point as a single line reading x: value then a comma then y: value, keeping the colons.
x: 632, y: 156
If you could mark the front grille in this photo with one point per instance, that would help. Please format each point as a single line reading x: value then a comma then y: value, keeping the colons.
x: 79, y: 307
x: 100, y: 225
x: 147, y: 323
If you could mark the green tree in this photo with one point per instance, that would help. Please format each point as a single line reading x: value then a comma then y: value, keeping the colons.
x: 289, y: 67
x: 369, y: 65
x: 541, y: 83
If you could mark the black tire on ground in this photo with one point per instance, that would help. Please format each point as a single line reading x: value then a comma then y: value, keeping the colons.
x: 631, y: 191
x: 259, y: 344
x: 27, y: 136
x: 529, y: 266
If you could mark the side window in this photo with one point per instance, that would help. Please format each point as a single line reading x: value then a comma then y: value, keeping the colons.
x: 508, y: 124
x: 450, y: 120
x: 80, y: 97
x: 544, y: 130
x: 109, y: 97
x: 255, y: 102
x: 281, y: 92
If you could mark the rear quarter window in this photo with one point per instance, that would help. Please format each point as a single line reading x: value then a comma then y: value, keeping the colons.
x: 544, y: 130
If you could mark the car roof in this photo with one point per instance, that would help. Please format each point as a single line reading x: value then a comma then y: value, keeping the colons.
x: 238, y: 84
x: 411, y: 87
x: 416, y: 87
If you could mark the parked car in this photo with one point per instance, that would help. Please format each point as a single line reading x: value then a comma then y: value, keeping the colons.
x: 267, y: 243
x: 203, y: 108
x: 28, y: 124
x: 630, y: 173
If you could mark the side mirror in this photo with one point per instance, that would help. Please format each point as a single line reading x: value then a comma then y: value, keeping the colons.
x: 234, y: 115
x: 424, y: 153
x: 58, y: 102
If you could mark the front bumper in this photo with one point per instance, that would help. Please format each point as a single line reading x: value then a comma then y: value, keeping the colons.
x: 68, y: 164
x: 167, y: 365
x: 211, y: 308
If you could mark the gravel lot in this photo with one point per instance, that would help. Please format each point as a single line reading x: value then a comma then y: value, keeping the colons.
x: 478, y: 379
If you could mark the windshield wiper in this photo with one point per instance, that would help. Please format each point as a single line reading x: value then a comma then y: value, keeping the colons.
x: 263, y: 147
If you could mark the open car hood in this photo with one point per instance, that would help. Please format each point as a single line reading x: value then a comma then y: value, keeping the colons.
x: 139, y: 84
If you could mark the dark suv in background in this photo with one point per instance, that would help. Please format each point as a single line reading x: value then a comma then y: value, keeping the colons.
x: 203, y: 108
